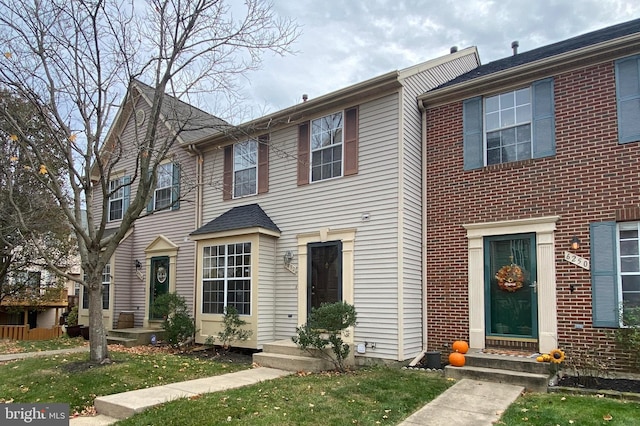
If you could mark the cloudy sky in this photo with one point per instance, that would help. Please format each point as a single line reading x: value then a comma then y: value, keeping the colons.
x: 344, y: 42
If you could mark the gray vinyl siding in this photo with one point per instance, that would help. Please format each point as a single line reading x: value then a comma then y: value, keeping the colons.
x: 174, y: 225
x: 337, y: 204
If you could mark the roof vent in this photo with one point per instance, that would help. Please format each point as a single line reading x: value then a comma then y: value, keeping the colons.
x: 304, y: 97
x: 514, y: 46
x: 453, y: 49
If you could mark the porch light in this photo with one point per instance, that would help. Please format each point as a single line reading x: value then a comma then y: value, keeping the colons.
x: 288, y: 257
x: 575, y: 243
x: 138, y: 265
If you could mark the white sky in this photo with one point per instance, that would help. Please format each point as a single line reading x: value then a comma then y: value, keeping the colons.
x: 344, y: 42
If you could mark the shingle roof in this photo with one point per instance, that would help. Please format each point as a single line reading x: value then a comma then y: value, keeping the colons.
x: 578, y: 42
x: 241, y: 217
x: 195, y: 123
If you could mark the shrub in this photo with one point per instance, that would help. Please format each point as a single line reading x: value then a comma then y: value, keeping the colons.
x: 324, y: 328
x: 628, y: 337
x: 231, y: 330
x: 179, y: 327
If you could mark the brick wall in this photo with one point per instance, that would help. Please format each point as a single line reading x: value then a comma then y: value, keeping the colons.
x: 591, y: 178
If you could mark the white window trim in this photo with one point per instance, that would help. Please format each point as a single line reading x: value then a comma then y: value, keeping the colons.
x: 170, y: 187
x: 226, y: 279
x: 620, y: 274
x: 485, y: 131
x: 255, y: 166
x: 118, y: 182
x: 311, y: 150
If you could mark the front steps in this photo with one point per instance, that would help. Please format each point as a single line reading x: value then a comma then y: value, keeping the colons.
x: 527, y: 372
x: 285, y: 355
x: 130, y: 337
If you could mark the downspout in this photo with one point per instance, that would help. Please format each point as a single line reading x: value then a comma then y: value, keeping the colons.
x: 192, y: 149
x: 423, y: 110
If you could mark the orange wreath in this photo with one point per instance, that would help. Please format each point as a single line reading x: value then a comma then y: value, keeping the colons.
x: 510, y: 278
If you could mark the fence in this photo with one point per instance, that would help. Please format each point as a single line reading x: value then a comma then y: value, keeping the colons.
x: 23, y: 332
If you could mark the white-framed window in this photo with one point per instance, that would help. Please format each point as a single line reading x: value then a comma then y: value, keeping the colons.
x: 507, y: 118
x: 116, y: 200
x: 106, y: 285
x: 245, y: 168
x: 162, y: 194
x: 326, y: 147
x: 629, y: 271
x: 226, y: 278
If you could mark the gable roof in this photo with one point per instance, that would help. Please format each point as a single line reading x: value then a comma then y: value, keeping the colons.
x: 241, y: 217
x: 587, y: 49
x: 191, y: 122
x: 575, y: 43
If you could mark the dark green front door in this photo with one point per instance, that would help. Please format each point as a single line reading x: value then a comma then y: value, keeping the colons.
x: 159, y: 283
x: 511, y: 308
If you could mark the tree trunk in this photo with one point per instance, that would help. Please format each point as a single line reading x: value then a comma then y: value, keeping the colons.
x: 97, y: 334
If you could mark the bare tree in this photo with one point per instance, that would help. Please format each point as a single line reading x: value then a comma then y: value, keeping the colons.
x: 72, y: 60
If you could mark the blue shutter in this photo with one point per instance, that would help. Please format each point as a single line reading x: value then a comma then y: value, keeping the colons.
x: 175, y: 190
x: 604, y: 275
x: 473, y: 150
x: 543, y: 120
x: 628, y: 97
x: 127, y: 193
x: 152, y: 189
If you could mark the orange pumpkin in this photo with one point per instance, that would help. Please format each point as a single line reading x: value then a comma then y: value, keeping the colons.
x: 460, y: 346
x: 456, y: 359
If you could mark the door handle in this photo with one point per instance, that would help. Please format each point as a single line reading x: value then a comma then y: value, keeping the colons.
x: 534, y: 286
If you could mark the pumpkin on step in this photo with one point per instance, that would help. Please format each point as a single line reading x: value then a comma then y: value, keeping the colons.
x: 460, y: 346
x: 456, y: 359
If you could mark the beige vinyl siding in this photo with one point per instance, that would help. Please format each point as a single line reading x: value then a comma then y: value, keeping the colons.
x: 336, y: 204
x: 174, y: 225
x: 265, y: 285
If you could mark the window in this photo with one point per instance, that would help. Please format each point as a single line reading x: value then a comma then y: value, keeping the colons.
x: 245, y: 168
x: 507, y: 120
x: 628, y: 97
x: 119, y: 199
x: 510, y: 126
x: 106, y: 284
x: 167, y: 192
x: 629, y: 266
x: 226, y: 278
x: 326, y: 147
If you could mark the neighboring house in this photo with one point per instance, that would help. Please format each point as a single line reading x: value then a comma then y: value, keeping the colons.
x: 317, y: 203
x: 525, y: 156
x: 155, y: 257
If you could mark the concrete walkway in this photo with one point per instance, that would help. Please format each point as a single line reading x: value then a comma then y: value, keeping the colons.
x: 467, y: 403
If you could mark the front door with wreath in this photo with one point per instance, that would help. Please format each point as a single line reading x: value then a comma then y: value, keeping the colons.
x: 511, y: 311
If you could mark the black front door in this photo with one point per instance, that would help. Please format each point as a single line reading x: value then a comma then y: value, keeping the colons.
x: 159, y: 283
x: 324, y: 280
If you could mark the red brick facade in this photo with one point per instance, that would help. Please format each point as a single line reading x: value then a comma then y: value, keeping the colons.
x: 591, y: 178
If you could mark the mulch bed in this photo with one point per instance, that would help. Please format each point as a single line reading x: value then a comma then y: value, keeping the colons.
x: 598, y: 383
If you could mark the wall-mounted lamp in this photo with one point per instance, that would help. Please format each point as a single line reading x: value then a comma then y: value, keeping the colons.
x: 138, y: 265
x: 575, y: 243
x: 288, y: 257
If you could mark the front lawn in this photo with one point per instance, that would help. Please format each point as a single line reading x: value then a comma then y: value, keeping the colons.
x: 368, y: 396
x: 72, y: 379
x: 63, y: 342
x: 559, y: 409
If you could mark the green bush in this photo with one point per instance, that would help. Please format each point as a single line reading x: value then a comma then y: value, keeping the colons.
x: 231, y: 328
x: 628, y: 337
x: 324, y: 328
x: 179, y: 327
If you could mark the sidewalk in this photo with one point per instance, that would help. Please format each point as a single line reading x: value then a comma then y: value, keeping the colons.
x: 467, y: 403
x: 22, y: 355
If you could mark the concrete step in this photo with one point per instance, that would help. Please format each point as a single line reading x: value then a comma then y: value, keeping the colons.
x: 141, y: 336
x: 287, y: 347
x: 533, y: 382
x: 291, y: 362
x: 504, y: 362
x: 126, y: 342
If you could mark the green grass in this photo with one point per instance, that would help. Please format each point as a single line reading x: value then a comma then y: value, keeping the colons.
x: 63, y: 342
x: 72, y: 379
x: 558, y: 409
x: 368, y: 396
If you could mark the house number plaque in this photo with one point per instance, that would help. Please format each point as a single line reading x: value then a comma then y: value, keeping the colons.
x: 576, y: 260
